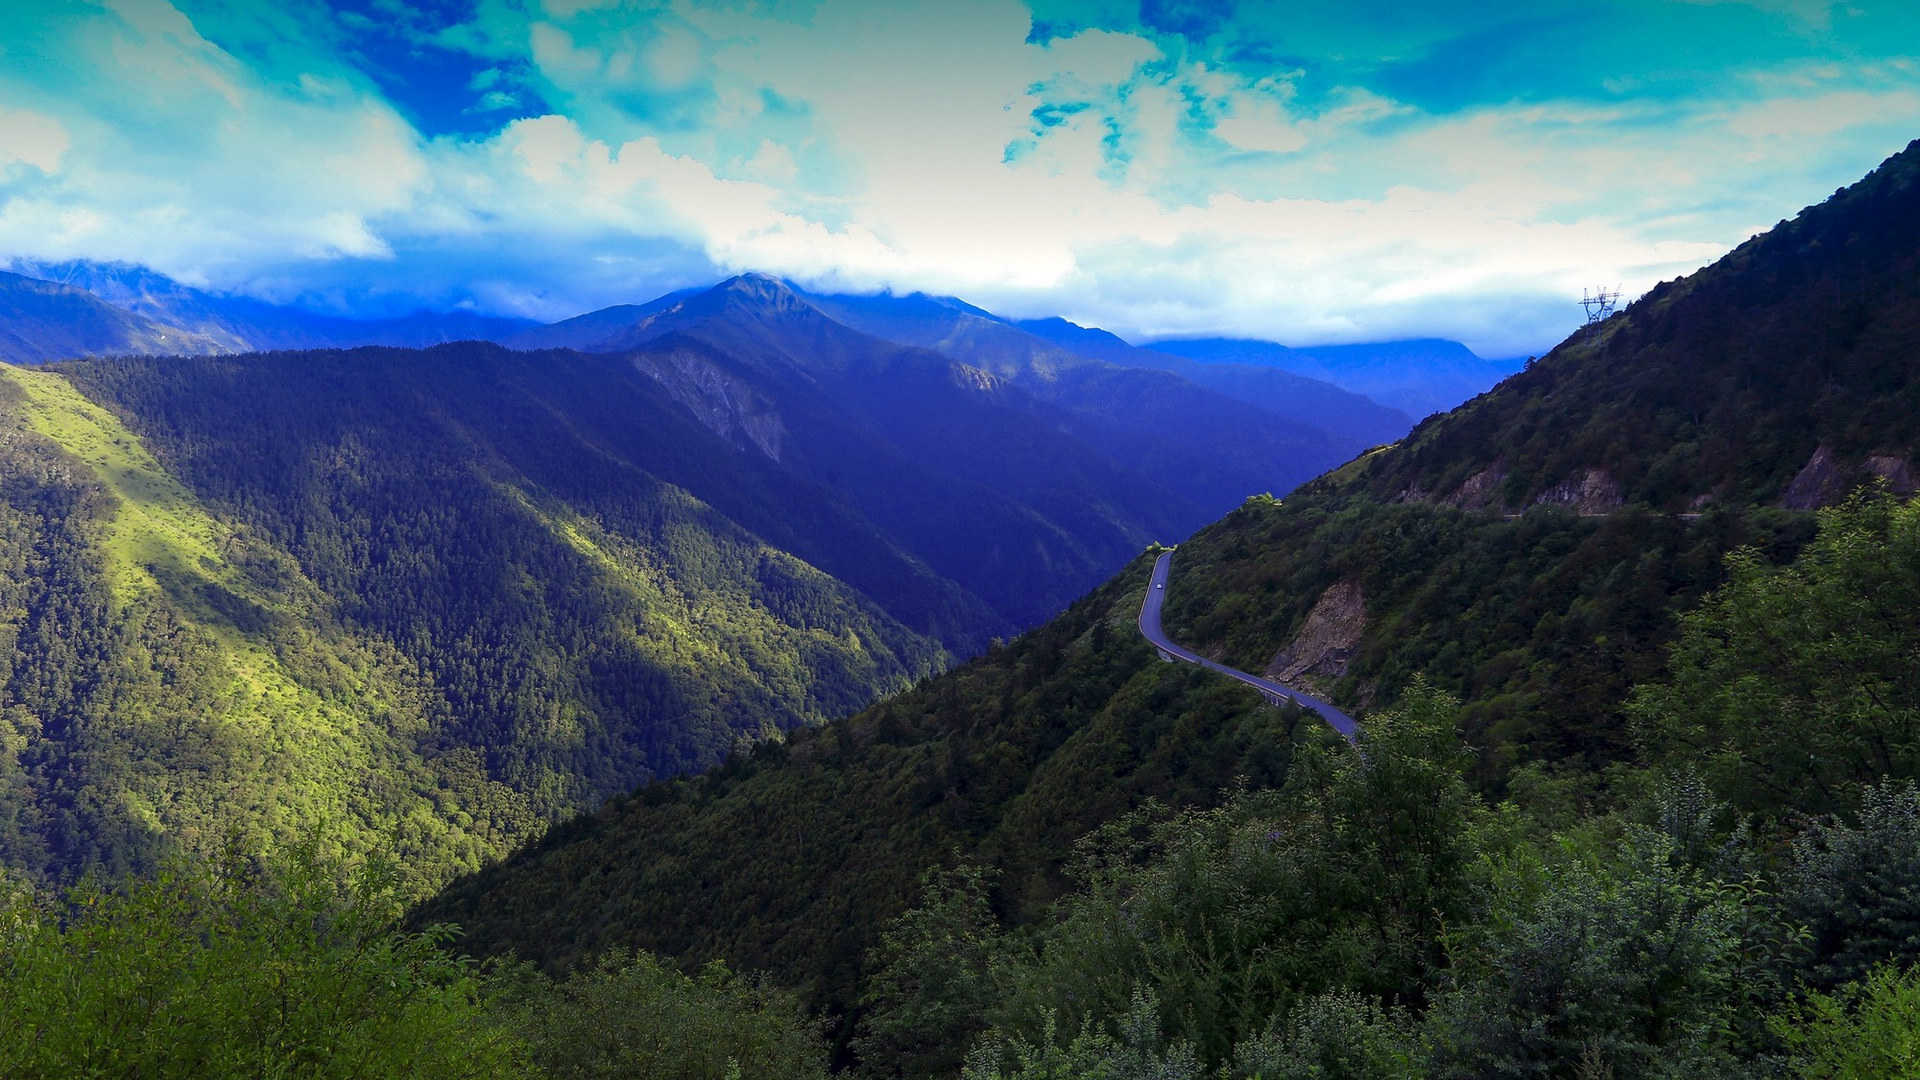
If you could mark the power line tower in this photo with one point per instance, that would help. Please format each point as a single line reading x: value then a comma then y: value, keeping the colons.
x: 1599, y: 303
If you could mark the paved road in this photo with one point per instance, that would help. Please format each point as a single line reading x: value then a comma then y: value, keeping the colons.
x: 1150, y: 628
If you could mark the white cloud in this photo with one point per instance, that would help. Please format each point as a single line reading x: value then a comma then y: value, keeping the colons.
x: 772, y: 163
x: 173, y: 153
x: 1822, y: 114
x: 31, y: 138
x: 864, y: 146
x: 1260, y: 126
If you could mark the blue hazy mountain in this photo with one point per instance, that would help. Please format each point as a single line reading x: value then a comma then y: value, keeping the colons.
x: 1313, y: 400
x: 45, y: 320
x: 171, y: 317
x: 1420, y: 376
x: 1202, y: 450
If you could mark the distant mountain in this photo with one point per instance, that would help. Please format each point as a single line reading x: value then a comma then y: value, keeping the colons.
x: 1072, y: 365
x: 209, y: 322
x: 42, y: 320
x: 595, y: 330
x: 353, y: 585
x: 1421, y: 376
x: 1297, y: 397
x: 1198, y: 435
x: 1176, y: 450
x: 1006, y: 495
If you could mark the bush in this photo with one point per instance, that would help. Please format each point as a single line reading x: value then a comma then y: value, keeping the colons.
x: 236, y: 970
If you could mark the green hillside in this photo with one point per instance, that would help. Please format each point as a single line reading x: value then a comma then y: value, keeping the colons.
x: 403, y: 636
x: 172, y: 679
x: 1492, y: 653
x: 787, y: 859
x: 1789, y: 371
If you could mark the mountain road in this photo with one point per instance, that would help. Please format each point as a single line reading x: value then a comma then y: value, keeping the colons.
x: 1272, y: 691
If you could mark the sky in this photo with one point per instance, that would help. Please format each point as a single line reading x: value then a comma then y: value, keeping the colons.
x: 1302, y: 172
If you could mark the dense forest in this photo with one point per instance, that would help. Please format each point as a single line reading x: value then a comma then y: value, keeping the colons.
x: 1521, y: 636
x: 442, y: 598
x: 412, y: 642
x: 1726, y: 906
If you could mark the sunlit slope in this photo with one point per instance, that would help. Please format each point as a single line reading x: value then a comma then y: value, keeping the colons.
x: 405, y: 632
x: 177, y: 679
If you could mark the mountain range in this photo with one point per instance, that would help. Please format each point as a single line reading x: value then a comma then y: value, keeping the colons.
x: 604, y: 555
x: 1419, y: 377
x: 1321, y: 386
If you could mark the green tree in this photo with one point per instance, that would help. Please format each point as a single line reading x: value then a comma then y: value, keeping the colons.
x: 639, y: 1018
x: 1856, y: 887
x: 1232, y: 915
x: 292, y: 969
x: 1792, y: 687
x: 1135, y: 1051
x: 1866, y: 1030
x: 1338, y: 1035
x: 931, y: 985
x: 1634, y: 961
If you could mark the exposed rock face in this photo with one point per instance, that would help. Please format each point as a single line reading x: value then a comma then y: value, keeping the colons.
x: 968, y: 377
x: 1816, y: 484
x: 1825, y: 479
x: 1896, y: 471
x: 727, y: 405
x: 1327, y: 639
x: 1480, y: 490
x: 1595, y: 492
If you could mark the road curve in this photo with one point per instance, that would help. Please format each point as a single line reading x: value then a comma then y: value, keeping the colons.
x: 1150, y: 629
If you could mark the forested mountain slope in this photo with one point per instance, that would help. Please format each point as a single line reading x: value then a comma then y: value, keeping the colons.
x: 554, y: 575
x: 1787, y: 372
x: 995, y: 490
x: 439, y: 592
x: 1136, y: 450
x: 1539, y: 622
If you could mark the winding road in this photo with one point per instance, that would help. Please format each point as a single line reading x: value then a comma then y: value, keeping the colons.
x: 1272, y: 691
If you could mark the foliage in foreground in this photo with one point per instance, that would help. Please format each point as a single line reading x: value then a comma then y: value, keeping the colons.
x: 1374, y: 918
x: 1371, y: 916
x: 211, y: 971
x: 292, y: 967
x: 638, y: 1018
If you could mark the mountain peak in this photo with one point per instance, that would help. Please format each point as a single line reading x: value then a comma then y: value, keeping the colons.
x: 758, y: 288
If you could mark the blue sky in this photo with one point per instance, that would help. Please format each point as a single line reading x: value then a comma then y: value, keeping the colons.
x: 1307, y: 173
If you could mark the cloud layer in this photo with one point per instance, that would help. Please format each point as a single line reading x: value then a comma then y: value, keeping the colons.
x: 1168, y: 167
